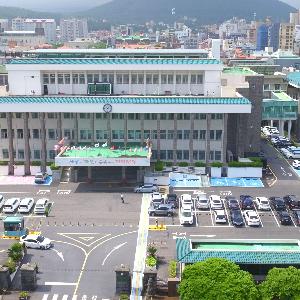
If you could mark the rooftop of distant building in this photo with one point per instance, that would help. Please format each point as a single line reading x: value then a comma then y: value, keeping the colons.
x: 238, y: 71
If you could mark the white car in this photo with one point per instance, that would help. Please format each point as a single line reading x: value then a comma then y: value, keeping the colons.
x: 186, y: 201
x: 41, y: 205
x: 147, y: 188
x: 186, y: 217
x: 215, y: 202
x: 35, y: 241
x: 262, y: 203
x: 251, y: 218
x: 202, y: 202
x: 220, y: 216
x: 296, y: 164
x: 26, y: 205
x: 11, y: 205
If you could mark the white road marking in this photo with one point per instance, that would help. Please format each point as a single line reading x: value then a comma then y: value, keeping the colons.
x: 59, y: 254
x: 275, y: 218
x: 15, y: 192
x: 45, y: 297
x: 65, y: 297
x: 55, y: 297
x: 114, y: 249
x: 63, y: 192
x: 225, y: 211
x: 261, y: 223
x: 58, y: 283
x: 211, y: 217
x: 203, y: 235
x: 43, y: 192
x: 215, y: 226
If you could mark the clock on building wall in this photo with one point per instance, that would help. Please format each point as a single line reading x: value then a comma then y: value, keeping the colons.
x: 107, y: 108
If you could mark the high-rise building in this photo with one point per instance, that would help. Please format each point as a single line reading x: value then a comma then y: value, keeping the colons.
x: 286, y: 36
x: 295, y: 17
x: 262, y: 37
x: 4, y: 25
x: 17, y: 24
x: 274, y: 36
x: 72, y: 29
x: 49, y: 26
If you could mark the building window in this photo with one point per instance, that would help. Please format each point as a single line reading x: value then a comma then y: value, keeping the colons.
x: 98, y: 116
x: 85, y: 134
x: 3, y: 133
x: 218, y: 135
x: 36, y: 154
x: 179, y: 116
x: 186, y: 154
x: 170, y: 154
x: 99, y: 134
x: 52, y: 154
x: 18, y: 115
x: 138, y: 135
x: 125, y: 78
x: 266, y: 87
x: 170, y: 116
x: 67, y: 78
x: 51, y: 134
x: 147, y: 134
x: 60, y: 79
x: 75, y: 79
x: 163, y: 116
x: 52, y: 78
x: 277, y: 87
x: 185, y: 79
x: 68, y: 116
x: 148, y: 78
x: 195, y: 155
x: 218, y: 155
x: 147, y: 116
x: 178, y: 79
x: 216, y: 116
x: 202, y: 135
x: 170, y: 134
x: 131, y: 134
x: 68, y: 134
x: 186, y: 116
x: 134, y: 79
x: 154, y: 134
x: 201, y: 155
x: 20, y: 134
x: 179, y: 134
x: 21, y: 154
x: 115, y: 134
x: 35, y: 133
x: 130, y: 116
x: 170, y: 79
x: 211, y: 155
x: 186, y: 134
x: 179, y: 154
x: 140, y: 78
x: 2, y: 115
x: 154, y: 154
x: 154, y: 116
x: 212, y: 134
x: 164, y: 79
x: 163, y: 134
x: 5, y: 154
x: 200, y: 116
x: 163, y: 154
x: 51, y: 116
x: 193, y: 79
x: 45, y: 78
x: 34, y: 115
x: 195, y: 135
x: 84, y: 115
x: 155, y: 79
x: 199, y: 79
x: 81, y: 79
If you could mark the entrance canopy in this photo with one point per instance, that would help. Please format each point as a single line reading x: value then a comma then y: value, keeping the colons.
x: 99, y: 154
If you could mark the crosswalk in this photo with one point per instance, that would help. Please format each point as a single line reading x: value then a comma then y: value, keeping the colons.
x: 71, y: 297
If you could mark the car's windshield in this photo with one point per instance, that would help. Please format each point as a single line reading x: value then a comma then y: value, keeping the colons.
x: 203, y: 201
x: 40, y: 238
x: 7, y: 206
x: 187, y: 214
x: 264, y: 202
x: 23, y: 206
x: 253, y: 217
x: 221, y: 217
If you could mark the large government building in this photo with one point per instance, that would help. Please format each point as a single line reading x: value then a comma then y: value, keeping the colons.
x: 68, y: 106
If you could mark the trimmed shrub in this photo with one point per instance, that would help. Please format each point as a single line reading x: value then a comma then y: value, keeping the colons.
x: 151, y: 261
x: 216, y: 164
x: 54, y: 167
x: 151, y: 250
x: 35, y: 163
x: 3, y: 163
x: 237, y: 164
x: 159, y: 166
x: 15, y: 252
x: 200, y: 164
x: 183, y: 164
x: 169, y: 164
x: 172, y: 269
x: 19, y: 163
x: 11, y: 265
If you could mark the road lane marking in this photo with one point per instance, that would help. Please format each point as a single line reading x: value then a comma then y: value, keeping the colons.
x: 80, y: 242
x: 45, y: 297
x: 203, y: 235
x: 275, y: 218
x: 113, y: 250
x: 58, y: 283
x: 58, y: 253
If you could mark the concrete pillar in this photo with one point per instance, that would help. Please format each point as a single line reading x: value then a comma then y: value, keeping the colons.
x: 158, y: 137
x: 224, y: 138
x: 271, y: 123
x: 28, y: 277
x: 93, y: 126
x: 108, y: 124
x: 123, y: 173
x: 191, y: 140
x: 207, y: 146
x: 89, y: 173
x: 59, y: 126
x: 5, y: 281
x: 76, y: 128
x: 175, y: 139
x: 44, y: 146
x: 26, y: 144
x: 125, y: 130
x: 142, y: 129
x: 281, y: 127
x: 11, y: 168
x: 123, y: 279
x: 289, y: 128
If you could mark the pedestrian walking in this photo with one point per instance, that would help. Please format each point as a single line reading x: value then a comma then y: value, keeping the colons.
x: 122, y: 198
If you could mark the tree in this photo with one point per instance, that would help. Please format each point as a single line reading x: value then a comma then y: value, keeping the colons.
x: 217, y: 279
x: 281, y: 283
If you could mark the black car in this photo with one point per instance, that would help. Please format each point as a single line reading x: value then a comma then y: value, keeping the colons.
x: 236, y: 218
x: 277, y: 203
x: 284, y: 218
x: 246, y: 202
x: 172, y: 200
x: 232, y: 202
x: 292, y: 201
x: 161, y: 210
x: 296, y: 215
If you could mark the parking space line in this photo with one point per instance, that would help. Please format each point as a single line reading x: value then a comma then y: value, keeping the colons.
x: 226, y: 211
x: 211, y: 217
x: 275, y: 218
x: 261, y: 222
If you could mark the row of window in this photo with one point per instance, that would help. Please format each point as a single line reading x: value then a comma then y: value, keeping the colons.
x: 120, y: 116
x: 185, y: 155
x: 36, y: 154
x: 125, y: 78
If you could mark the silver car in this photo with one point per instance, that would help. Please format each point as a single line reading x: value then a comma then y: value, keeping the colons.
x: 202, y: 202
x: 146, y: 188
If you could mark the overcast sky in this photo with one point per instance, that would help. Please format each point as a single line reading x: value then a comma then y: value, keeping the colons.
x: 77, y: 5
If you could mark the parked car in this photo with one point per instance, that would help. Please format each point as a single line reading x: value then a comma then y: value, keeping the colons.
x: 157, y: 198
x: 202, y: 201
x: 251, y: 218
x: 246, y: 202
x: 296, y: 215
x: 296, y: 164
x: 146, y: 188
x: 36, y: 241
x: 2, y: 201
x: 232, y: 202
x: 186, y: 201
x: 40, y: 177
x: 284, y: 218
x: 172, y: 199
x: 26, y: 205
x: 262, y: 203
x: 215, y: 202
x: 220, y: 216
x: 186, y: 217
x: 165, y: 210
x: 236, y: 218
x: 292, y: 201
x: 277, y: 203
x: 41, y: 206
x: 11, y: 205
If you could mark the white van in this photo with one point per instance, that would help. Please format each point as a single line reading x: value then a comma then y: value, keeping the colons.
x: 41, y: 205
x: 26, y: 205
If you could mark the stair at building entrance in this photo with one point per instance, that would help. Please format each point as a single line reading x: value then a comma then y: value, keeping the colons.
x: 65, y: 175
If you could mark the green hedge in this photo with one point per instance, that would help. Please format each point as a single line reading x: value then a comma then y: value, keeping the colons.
x: 3, y: 163
x: 172, y: 269
x: 216, y: 164
x: 35, y: 163
x: 159, y: 166
x: 151, y: 261
x: 256, y: 162
x: 200, y: 164
x: 169, y: 164
x: 183, y: 164
x: 54, y: 167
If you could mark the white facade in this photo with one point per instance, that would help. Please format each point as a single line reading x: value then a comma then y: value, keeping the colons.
x: 26, y: 39
x: 4, y: 25
x: 17, y: 24
x: 49, y: 26
x: 72, y: 29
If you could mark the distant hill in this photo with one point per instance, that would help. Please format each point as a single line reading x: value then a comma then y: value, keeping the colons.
x: 13, y: 12
x: 206, y: 11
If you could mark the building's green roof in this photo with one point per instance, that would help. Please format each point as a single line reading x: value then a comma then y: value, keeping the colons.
x: 260, y: 256
x: 121, y: 100
x: 282, y: 96
x: 113, y: 61
x: 238, y: 71
x: 3, y: 69
x: 294, y: 78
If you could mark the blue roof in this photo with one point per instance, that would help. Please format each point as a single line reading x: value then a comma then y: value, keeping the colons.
x: 186, y: 255
x: 121, y: 100
x: 112, y: 61
x: 294, y: 78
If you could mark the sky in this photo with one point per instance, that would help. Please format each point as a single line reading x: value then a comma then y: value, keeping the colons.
x: 77, y: 5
